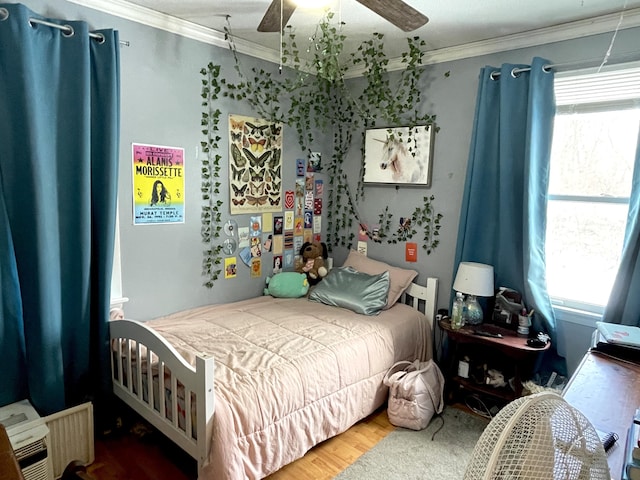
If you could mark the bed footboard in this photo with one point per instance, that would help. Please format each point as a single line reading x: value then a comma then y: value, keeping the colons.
x: 151, y: 377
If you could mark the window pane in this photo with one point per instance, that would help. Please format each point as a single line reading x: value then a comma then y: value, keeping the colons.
x: 593, y: 153
x: 583, y: 248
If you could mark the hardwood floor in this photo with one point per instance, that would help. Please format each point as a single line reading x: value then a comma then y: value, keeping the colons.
x: 331, y: 457
x: 141, y: 453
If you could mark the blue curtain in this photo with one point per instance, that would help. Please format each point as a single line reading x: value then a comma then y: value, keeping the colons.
x: 503, y: 214
x: 59, y: 136
x: 624, y: 302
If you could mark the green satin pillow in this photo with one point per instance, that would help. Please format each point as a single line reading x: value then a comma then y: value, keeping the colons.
x: 360, y: 292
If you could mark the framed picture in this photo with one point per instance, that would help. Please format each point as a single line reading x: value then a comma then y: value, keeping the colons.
x: 400, y: 155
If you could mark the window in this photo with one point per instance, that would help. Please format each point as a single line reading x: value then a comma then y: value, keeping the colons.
x: 595, y: 139
x: 117, y: 299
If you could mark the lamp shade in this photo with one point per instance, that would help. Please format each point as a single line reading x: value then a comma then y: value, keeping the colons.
x: 474, y: 279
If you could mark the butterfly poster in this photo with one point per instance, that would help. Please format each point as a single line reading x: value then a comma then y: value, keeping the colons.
x: 255, y: 165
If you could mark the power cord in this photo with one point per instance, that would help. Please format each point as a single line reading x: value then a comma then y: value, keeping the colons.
x: 479, y: 409
x: 433, y: 437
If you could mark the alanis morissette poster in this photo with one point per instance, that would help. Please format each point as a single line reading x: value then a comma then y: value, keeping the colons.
x: 158, y: 184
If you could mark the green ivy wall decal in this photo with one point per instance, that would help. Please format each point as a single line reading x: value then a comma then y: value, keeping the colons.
x: 210, y: 173
x: 424, y: 217
x: 317, y: 99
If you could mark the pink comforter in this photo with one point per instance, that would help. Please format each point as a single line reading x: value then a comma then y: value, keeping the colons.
x: 290, y: 373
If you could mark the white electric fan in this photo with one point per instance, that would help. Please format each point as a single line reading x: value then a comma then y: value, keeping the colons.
x: 539, y: 436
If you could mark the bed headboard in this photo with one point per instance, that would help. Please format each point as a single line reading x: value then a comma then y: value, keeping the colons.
x: 425, y: 299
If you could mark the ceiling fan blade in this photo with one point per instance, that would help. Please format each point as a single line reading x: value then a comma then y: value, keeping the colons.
x: 402, y: 15
x: 271, y: 22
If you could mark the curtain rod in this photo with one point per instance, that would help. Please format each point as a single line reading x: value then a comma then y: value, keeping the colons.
x: 67, y: 30
x: 592, y: 62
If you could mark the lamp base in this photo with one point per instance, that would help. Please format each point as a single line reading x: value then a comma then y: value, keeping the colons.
x: 473, y: 311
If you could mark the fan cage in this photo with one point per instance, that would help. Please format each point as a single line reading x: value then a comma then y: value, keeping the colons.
x: 539, y: 436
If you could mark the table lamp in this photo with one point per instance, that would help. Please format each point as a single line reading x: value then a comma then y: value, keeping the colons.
x: 474, y: 280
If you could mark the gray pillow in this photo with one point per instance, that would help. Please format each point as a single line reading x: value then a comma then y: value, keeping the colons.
x: 399, y: 280
x: 360, y: 292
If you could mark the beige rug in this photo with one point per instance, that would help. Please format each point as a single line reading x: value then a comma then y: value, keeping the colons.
x: 439, y: 452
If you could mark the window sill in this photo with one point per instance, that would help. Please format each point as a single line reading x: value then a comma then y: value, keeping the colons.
x: 116, y: 310
x: 577, y: 316
x: 119, y: 302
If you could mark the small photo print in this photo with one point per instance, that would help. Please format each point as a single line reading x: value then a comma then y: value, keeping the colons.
x: 300, y: 167
x: 277, y: 246
x: 317, y: 224
x: 278, y: 224
x: 288, y: 258
x: 288, y: 220
x: 256, y: 267
x: 315, y: 162
x: 277, y: 264
x: 256, y: 248
x: 243, y: 236
x: 363, y: 233
x: 267, y: 241
x: 230, y: 267
x: 308, y: 219
x: 288, y: 240
x: 307, y: 236
x: 308, y: 183
x: 256, y: 226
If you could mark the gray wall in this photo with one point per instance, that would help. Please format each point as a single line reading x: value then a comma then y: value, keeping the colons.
x: 161, y: 105
x: 453, y: 99
x: 161, y: 264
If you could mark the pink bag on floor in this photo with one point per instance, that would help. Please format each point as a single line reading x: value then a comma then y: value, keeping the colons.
x: 416, y: 393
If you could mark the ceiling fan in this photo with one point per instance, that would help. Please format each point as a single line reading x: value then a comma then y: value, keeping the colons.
x: 399, y: 13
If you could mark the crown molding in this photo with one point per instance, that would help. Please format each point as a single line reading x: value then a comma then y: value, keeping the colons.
x: 162, y: 21
x: 557, y: 33
x: 532, y: 38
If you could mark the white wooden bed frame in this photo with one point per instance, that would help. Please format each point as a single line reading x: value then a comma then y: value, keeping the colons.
x: 128, y: 358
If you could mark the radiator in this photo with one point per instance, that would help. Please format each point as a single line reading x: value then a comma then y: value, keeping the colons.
x: 71, y: 437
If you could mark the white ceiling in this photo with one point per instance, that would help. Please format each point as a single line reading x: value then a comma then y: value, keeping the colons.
x: 453, y: 24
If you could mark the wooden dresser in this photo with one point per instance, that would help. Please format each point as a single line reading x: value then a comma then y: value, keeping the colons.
x: 607, y: 391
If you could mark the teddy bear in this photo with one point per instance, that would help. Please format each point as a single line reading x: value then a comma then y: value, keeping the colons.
x: 311, y: 261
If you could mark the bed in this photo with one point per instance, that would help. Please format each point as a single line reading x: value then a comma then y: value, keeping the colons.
x: 250, y: 386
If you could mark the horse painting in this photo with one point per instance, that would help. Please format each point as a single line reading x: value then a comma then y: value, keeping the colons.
x: 396, y: 157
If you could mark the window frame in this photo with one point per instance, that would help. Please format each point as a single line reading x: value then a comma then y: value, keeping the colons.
x: 566, y: 308
x: 117, y: 299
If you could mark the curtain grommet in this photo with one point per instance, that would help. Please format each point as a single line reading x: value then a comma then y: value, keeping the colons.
x: 514, y: 73
x: 4, y: 14
x: 68, y: 31
x: 100, y: 38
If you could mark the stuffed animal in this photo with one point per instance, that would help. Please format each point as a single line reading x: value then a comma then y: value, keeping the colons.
x: 287, y: 285
x: 311, y: 261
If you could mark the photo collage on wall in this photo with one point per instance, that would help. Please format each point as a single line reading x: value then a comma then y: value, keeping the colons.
x: 280, y: 220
